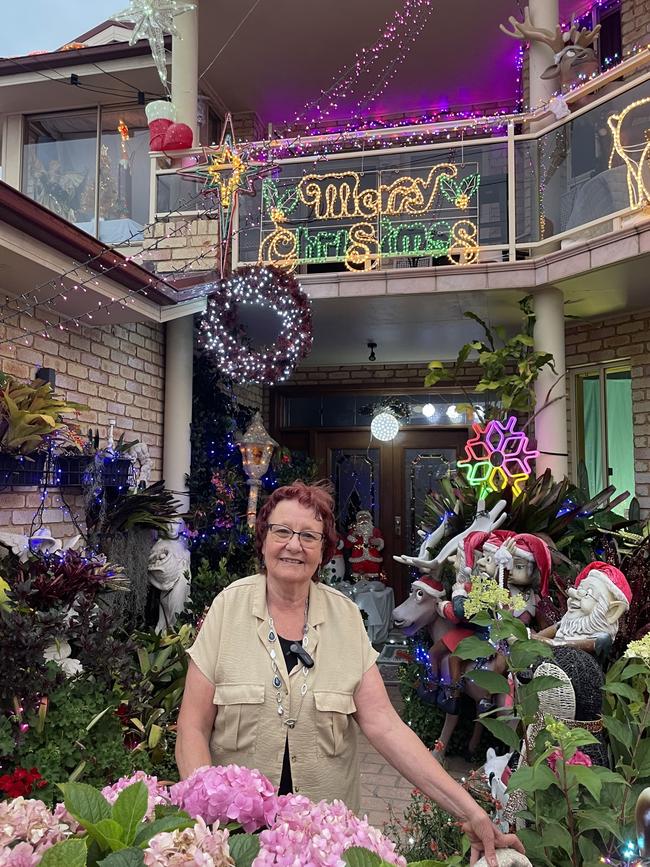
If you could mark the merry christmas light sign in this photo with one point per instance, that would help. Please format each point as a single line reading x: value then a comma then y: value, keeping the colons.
x: 362, y: 218
x: 498, y: 456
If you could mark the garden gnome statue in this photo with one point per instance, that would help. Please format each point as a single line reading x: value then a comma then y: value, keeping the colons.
x: 366, y: 543
x: 600, y: 596
x: 169, y: 571
x: 528, y: 571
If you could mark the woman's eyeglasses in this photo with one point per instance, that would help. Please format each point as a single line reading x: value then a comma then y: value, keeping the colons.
x: 308, y: 538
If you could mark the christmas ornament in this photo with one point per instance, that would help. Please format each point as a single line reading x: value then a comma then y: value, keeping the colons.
x: 151, y: 20
x: 227, y: 172
x: 497, y: 457
x: 224, y: 334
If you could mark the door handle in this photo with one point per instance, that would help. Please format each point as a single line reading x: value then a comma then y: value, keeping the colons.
x: 398, y: 525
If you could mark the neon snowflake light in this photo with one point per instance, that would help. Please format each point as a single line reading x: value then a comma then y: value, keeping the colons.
x: 498, y: 457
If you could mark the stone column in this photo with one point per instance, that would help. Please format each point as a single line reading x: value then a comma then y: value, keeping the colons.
x: 185, y: 68
x: 546, y: 14
x: 551, y: 423
x: 178, y: 406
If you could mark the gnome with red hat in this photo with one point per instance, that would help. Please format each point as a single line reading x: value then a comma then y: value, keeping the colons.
x: 529, y: 568
x: 595, y: 604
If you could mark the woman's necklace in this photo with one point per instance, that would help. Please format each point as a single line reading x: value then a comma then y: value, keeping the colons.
x: 277, y: 680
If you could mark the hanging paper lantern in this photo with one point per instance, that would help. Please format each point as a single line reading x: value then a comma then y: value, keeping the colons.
x: 498, y: 457
x: 225, y: 335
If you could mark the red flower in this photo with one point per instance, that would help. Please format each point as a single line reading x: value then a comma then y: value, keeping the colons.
x: 21, y: 782
x: 579, y: 758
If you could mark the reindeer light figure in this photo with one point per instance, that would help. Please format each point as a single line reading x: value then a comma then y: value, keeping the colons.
x: 574, y: 56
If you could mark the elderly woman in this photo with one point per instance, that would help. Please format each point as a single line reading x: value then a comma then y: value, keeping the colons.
x: 282, y: 675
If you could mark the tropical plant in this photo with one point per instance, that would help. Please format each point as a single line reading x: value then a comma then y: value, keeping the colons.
x: 30, y: 412
x: 510, y: 367
x: 150, y: 704
x: 153, y: 508
x: 207, y: 583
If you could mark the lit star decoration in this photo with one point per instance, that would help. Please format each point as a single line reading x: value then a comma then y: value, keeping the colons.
x: 151, y: 20
x: 498, y: 457
x: 227, y: 172
x: 223, y: 333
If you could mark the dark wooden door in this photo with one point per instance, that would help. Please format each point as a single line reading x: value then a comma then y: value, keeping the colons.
x: 390, y: 480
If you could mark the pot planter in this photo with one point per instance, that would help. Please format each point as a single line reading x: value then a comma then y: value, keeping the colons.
x: 22, y: 470
x: 69, y: 470
x: 115, y: 472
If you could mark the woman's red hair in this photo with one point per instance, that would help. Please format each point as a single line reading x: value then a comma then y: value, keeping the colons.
x: 317, y: 497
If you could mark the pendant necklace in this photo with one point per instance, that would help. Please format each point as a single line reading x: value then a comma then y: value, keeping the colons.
x: 288, y: 721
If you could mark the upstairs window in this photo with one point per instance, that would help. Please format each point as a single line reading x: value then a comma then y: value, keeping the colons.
x: 92, y: 168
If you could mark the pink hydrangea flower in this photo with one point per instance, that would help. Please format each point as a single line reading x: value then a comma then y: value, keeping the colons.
x: 226, y: 794
x: 27, y: 829
x: 317, y: 835
x: 157, y: 794
x: 578, y: 758
x: 198, y: 846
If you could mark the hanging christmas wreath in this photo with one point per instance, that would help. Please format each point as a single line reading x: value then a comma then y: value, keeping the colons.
x: 225, y: 335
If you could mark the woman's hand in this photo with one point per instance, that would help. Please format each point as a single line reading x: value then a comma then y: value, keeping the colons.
x: 485, y: 838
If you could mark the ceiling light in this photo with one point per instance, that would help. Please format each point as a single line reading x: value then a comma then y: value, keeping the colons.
x: 384, y: 426
x: 428, y: 410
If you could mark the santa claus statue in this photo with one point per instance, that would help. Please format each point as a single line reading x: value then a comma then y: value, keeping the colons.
x: 366, y: 543
x: 595, y: 604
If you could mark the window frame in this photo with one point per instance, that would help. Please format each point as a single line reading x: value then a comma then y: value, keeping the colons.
x: 599, y: 368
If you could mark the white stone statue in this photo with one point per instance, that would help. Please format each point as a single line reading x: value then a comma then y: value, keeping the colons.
x: 139, y: 454
x: 169, y: 571
x: 41, y: 542
x: 59, y: 651
x: 596, y: 603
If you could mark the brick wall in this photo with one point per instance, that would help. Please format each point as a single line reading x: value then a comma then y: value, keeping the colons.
x: 635, y: 24
x: 187, y: 244
x: 117, y: 371
x: 619, y: 339
x: 402, y: 376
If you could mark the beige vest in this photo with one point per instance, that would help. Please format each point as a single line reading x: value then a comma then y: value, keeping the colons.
x: 233, y: 651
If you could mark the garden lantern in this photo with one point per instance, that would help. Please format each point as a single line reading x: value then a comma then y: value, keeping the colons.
x: 256, y: 448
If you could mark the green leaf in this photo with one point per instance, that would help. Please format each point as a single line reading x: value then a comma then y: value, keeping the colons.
x: 538, y: 684
x: 634, y: 669
x: 555, y: 835
x: 607, y: 776
x: 84, y: 803
x: 502, y: 731
x: 167, y: 823
x: 130, y: 808
x: 618, y: 730
x: 642, y: 758
x: 358, y: 856
x: 624, y: 690
x: 108, y: 833
x: 244, y: 848
x: 67, y: 853
x: 591, y: 855
x: 585, y: 777
x: 474, y: 648
x: 489, y: 680
x: 98, y: 716
x: 125, y: 858
x: 534, y: 845
x: 524, y: 653
x: 530, y: 779
x: 428, y: 863
x: 598, y: 820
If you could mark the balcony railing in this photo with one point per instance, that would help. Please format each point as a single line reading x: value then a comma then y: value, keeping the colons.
x: 449, y: 203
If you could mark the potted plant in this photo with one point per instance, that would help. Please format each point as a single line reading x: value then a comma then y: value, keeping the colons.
x: 74, y: 456
x: 31, y: 416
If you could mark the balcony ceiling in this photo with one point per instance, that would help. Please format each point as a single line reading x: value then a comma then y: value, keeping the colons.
x: 287, y: 51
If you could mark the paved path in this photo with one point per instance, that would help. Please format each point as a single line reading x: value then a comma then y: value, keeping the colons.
x: 381, y: 786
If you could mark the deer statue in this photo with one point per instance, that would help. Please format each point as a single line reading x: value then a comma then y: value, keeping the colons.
x: 574, y: 56
x: 422, y: 608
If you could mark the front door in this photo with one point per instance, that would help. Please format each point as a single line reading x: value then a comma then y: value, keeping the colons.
x: 391, y: 481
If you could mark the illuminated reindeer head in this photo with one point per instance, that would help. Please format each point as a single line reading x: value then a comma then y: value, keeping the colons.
x: 573, y: 48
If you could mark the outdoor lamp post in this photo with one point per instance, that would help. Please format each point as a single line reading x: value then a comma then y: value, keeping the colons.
x: 256, y: 448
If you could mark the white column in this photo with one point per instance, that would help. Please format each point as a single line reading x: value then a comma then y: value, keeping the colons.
x: 185, y: 68
x: 178, y: 406
x: 551, y: 423
x: 546, y: 14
